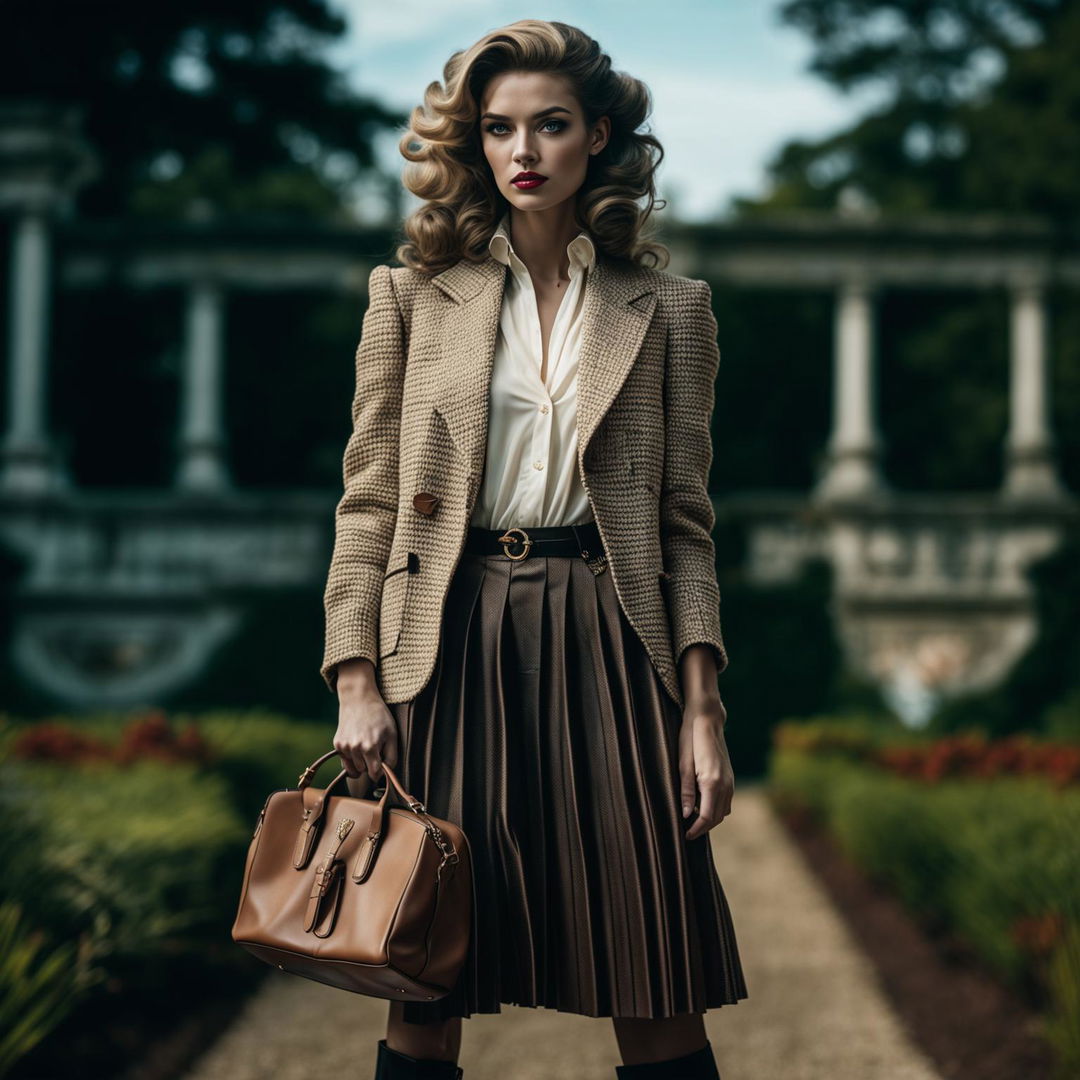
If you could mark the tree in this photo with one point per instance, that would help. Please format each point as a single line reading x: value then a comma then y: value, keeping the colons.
x: 982, y: 100
x: 230, y: 101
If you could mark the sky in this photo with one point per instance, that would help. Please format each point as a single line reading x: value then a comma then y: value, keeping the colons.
x: 729, y: 82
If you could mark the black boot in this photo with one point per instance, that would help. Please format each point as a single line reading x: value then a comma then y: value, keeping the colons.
x: 395, y: 1065
x: 697, y: 1065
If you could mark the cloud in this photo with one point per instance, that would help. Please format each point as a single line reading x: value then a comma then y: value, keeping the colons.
x: 718, y: 132
x: 739, y: 92
x: 377, y: 25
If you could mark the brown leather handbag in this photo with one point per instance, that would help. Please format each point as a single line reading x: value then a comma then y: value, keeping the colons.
x: 354, y: 892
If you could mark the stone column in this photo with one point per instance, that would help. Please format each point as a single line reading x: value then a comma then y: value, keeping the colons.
x: 27, y: 452
x: 202, y: 433
x: 1030, y: 471
x: 851, y: 469
x: 43, y: 161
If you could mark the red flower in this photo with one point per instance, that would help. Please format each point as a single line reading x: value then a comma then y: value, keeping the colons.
x: 50, y: 741
x: 152, y: 736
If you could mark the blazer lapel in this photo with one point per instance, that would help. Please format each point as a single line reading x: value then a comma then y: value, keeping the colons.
x: 618, y: 308
x: 469, y: 333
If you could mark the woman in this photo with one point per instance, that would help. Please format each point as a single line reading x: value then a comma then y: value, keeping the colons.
x: 522, y: 606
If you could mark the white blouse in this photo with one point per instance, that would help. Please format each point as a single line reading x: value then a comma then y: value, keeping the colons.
x: 530, y: 472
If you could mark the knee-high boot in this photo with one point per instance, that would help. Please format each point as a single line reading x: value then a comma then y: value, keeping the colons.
x: 396, y: 1065
x: 697, y: 1065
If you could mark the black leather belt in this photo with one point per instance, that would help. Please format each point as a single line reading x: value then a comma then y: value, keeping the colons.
x: 582, y: 541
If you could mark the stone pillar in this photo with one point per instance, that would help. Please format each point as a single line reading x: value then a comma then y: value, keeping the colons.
x: 1030, y: 472
x: 27, y: 452
x: 202, y: 433
x: 851, y: 468
x: 43, y: 160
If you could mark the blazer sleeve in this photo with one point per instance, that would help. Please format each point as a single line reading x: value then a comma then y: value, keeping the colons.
x: 366, y: 514
x: 686, y: 512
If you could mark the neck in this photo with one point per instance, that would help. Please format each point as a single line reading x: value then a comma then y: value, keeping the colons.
x: 540, y: 239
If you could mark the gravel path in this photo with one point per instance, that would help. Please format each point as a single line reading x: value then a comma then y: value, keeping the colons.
x: 815, y: 1010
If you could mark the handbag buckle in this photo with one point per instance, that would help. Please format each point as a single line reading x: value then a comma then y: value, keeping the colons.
x: 444, y: 845
x: 449, y: 852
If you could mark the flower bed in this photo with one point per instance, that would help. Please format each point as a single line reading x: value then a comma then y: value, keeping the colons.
x: 980, y: 839
x: 965, y: 754
x: 123, y: 843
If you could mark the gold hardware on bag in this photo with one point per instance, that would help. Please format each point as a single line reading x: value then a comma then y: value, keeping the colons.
x: 506, y: 540
x: 449, y: 853
x: 325, y: 896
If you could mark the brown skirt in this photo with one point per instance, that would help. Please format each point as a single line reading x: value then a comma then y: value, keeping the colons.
x: 545, y: 733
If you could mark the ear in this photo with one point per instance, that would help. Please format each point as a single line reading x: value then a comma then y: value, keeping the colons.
x: 601, y: 134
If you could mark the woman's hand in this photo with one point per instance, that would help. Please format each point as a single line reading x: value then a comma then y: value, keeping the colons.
x: 704, y: 764
x: 367, y: 733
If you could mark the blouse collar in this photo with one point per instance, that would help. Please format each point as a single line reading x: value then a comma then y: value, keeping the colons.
x: 581, y: 251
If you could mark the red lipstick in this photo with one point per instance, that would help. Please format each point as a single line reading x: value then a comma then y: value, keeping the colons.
x: 526, y: 180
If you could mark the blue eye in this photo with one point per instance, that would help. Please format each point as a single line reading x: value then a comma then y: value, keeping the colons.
x: 559, y: 125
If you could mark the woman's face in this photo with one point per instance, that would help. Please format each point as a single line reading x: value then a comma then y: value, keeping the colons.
x: 530, y: 121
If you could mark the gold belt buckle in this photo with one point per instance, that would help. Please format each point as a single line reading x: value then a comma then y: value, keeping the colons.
x: 506, y: 540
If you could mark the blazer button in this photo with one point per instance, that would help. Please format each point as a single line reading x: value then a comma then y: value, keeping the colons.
x: 425, y: 502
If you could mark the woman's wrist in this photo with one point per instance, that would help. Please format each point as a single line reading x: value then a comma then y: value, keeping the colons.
x: 356, y: 679
x: 698, y: 674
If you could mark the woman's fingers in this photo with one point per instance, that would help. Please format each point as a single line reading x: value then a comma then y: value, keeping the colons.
x: 348, y: 759
x: 703, y: 768
x: 366, y: 737
x: 372, y: 765
x: 687, y: 774
x: 390, y: 747
x: 707, y: 815
x: 385, y: 750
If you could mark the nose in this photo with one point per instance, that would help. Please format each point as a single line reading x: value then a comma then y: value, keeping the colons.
x: 523, y: 153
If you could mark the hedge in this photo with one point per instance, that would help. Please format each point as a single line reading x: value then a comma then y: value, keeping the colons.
x: 994, y: 860
x: 122, y: 837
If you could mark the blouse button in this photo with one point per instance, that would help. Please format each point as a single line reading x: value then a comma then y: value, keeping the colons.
x: 543, y: 408
x: 538, y: 464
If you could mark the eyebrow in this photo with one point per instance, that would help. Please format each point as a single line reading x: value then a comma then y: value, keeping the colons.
x: 536, y: 116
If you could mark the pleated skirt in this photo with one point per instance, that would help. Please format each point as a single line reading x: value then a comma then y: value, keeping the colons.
x: 545, y: 733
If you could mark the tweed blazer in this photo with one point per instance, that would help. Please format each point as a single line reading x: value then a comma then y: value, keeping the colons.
x: 414, y: 461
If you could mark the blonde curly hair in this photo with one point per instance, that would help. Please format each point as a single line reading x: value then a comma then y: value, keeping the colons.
x: 447, y: 166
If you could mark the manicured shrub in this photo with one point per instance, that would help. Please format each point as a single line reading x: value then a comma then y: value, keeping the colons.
x: 132, y: 854
x: 977, y: 837
x: 124, y: 833
x: 967, y: 753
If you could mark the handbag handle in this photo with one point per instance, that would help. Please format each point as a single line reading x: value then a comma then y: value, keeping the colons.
x: 365, y: 861
x: 308, y: 774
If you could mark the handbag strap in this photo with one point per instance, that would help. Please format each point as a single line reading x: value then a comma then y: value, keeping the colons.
x: 307, y: 775
x: 327, y: 876
x: 310, y: 825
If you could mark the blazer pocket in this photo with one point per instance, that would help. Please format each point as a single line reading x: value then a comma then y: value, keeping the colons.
x: 664, y: 577
x: 395, y: 593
